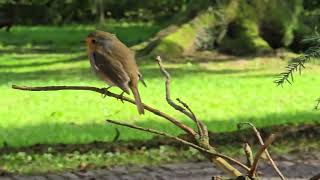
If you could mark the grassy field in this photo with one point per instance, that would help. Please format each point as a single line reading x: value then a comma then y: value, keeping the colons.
x: 221, y: 93
x: 68, y: 38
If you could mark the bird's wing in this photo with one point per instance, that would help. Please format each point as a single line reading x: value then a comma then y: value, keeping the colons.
x: 111, y: 68
x: 118, y: 50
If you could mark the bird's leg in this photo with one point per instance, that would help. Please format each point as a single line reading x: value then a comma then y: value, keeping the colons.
x: 121, y: 97
x: 105, y: 90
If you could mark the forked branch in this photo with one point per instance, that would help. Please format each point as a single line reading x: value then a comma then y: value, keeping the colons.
x: 257, y: 157
x: 184, y: 109
x: 257, y: 133
x: 249, y: 155
x: 153, y: 131
x: 200, y: 135
x: 222, y: 161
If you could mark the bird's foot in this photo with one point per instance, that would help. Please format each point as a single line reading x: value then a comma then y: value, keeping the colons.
x: 106, y: 90
x: 121, y: 97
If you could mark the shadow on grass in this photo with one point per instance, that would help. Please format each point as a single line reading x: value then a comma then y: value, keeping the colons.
x: 182, y: 71
x: 47, y: 75
x: 51, y: 133
x: 44, y: 49
x: 86, y: 74
x: 265, y: 75
x: 36, y: 64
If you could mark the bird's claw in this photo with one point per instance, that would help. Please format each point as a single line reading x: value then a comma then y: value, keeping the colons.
x: 121, y: 97
x: 106, y: 90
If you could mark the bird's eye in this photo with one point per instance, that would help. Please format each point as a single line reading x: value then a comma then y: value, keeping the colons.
x: 93, y: 41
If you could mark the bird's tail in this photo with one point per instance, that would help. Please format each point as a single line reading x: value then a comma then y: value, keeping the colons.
x: 137, y: 99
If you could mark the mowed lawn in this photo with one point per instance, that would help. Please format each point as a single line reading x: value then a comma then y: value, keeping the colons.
x: 221, y: 93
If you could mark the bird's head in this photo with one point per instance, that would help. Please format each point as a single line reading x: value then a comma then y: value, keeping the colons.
x: 98, y: 39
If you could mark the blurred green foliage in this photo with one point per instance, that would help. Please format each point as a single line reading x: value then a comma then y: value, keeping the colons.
x: 48, y: 38
x: 86, y: 11
x: 239, y: 27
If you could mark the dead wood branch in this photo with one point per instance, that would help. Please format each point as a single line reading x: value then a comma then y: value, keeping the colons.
x: 257, y: 133
x: 316, y: 177
x: 257, y: 157
x: 225, y: 166
x: 184, y: 109
x: 248, y: 151
x: 153, y: 131
x: 200, y: 135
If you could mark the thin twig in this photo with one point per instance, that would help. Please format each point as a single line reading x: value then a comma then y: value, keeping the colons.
x: 185, y: 128
x: 179, y: 140
x: 203, y: 146
x: 257, y: 133
x: 248, y: 152
x: 202, y: 129
x: 168, y: 94
x: 315, y: 177
x: 262, y: 149
x: 171, y: 102
x: 116, y: 137
x: 202, y: 140
x: 185, y: 105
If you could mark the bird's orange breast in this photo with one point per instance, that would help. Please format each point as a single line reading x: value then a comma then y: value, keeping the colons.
x: 90, y: 45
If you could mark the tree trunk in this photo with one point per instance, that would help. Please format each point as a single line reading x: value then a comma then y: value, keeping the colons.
x: 101, y: 11
x: 238, y: 27
x: 184, y: 38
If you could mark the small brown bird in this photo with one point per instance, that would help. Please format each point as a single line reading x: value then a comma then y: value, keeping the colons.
x: 114, y: 63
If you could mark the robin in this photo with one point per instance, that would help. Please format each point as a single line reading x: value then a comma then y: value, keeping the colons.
x: 114, y: 63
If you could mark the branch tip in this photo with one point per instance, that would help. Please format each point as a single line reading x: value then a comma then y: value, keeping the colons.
x: 257, y: 157
x: 257, y: 133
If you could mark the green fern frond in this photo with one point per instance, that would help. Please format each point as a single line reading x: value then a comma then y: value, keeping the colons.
x: 313, y: 39
x: 297, y: 64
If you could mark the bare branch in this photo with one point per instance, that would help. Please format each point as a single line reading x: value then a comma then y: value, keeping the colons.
x: 202, y: 143
x: 202, y: 129
x: 168, y: 94
x: 181, y: 141
x: 273, y: 164
x: 248, y: 152
x: 171, y: 102
x: 153, y: 131
x: 316, y: 177
x: 185, y: 128
x: 116, y: 137
x: 187, y: 107
x: 203, y: 140
x: 262, y: 149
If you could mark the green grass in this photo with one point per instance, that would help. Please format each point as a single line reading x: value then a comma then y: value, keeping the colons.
x: 68, y: 38
x: 35, y: 163
x: 220, y: 93
x: 57, y: 161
